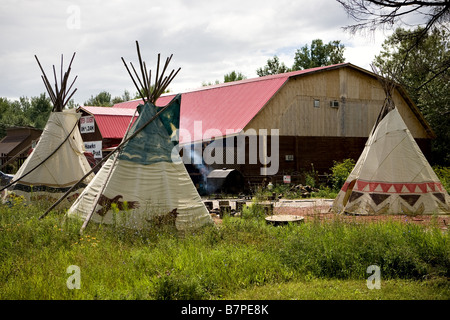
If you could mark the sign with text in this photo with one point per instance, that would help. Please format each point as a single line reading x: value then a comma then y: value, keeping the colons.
x: 94, y: 147
x: 287, y: 179
x: 87, y: 124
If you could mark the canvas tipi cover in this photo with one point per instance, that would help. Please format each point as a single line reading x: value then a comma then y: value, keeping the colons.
x: 147, y: 180
x: 66, y: 163
x: 392, y: 176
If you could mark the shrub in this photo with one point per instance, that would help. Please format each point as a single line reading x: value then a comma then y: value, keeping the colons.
x: 340, y: 172
x: 254, y: 211
x: 443, y: 174
x: 345, y: 250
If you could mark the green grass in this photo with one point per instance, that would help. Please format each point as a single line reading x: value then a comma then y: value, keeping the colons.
x: 336, y: 289
x: 243, y: 258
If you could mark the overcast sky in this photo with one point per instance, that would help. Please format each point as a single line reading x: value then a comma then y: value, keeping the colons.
x: 207, y: 38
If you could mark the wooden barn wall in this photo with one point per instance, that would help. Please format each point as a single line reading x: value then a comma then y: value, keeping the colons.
x: 318, y: 136
x: 31, y: 135
x: 359, y: 96
x: 309, y: 153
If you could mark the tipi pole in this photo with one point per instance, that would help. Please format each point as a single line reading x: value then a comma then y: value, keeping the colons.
x: 103, y: 160
x: 97, y: 197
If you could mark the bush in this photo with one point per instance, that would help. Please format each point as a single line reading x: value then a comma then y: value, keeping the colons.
x: 344, y: 250
x: 254, y: 211
x: 443, y: 174
x: 340, y: 172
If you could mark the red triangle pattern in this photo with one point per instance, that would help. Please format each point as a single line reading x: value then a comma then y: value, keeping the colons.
x: 361, y: 185
x: 398, y: 187
x: 386, y: 186
x: 424, y: 187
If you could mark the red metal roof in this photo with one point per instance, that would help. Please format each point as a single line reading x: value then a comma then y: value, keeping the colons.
x: 225, y: 108
x: 112, y: 122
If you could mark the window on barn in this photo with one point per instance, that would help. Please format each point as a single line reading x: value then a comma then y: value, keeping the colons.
x: 334, y: 104
x: 316, y: 103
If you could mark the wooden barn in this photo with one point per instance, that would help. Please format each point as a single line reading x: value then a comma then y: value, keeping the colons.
x: 16, y: 146
x: 281, y: 126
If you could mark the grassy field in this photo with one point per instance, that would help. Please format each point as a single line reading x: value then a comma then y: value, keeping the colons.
x: 243, y: 258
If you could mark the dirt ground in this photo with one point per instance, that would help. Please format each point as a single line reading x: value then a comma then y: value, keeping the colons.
x: 319, y: 209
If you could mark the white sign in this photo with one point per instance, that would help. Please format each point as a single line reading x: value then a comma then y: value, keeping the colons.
x: 289, y: 157
x: 87, y: 124
x: 287, y: 179
x: 94, y: 147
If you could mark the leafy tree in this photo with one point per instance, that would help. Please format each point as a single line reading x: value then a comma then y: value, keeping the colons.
x: 423, y: 70
x: 103, y: 99
x: 229, y: 77
x: 233, y: 76
x: 273, y: 66
x: 39, y: 111
x: 137, y: 95
x: 319, y: 55
x: 209, y: 83
x: 125, y: 97
x: 71, y: 104
x: 12, y: 114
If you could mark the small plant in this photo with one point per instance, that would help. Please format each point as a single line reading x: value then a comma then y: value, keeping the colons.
x: 310, y: 177
x: 254, y: 211
x: 340, y: 172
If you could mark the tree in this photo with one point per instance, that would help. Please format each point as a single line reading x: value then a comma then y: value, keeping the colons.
x: 229, y: 77
x: 375, y: 14
x: 39, y: 111
x: 138, y: 95
x: 125, y: 97
x: 209, y: 83
x: 424, y: 72
x: 11, y: 114
x: 319, y: 55
x: 24, y: 112
x: 388, y: 14
x: 273, y: 66
x: 103, y: 99
x: 233, y: 76
x: 33, y: 112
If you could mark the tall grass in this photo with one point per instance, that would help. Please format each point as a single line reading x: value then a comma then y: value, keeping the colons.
x: 345, y: 250
x: 210, y: 263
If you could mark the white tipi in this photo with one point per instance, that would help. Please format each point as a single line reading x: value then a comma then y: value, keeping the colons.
x: 145, y: 181
x: 58, y: 160
x: 392, y: 176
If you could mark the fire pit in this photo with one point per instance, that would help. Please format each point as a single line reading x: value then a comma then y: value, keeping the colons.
x: 281, y: 219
